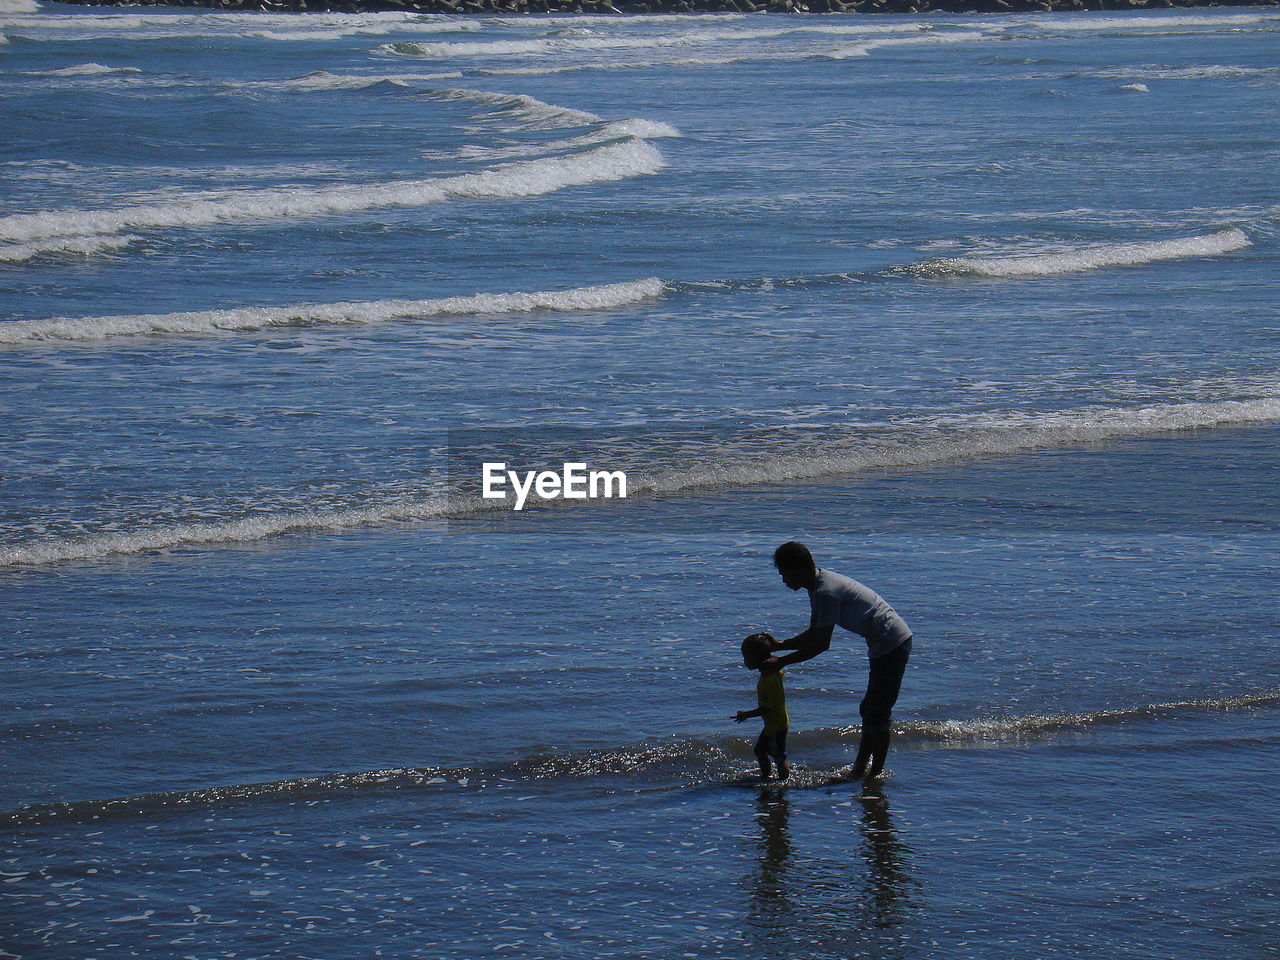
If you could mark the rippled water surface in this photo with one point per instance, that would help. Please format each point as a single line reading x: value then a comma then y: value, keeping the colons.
x: 981, y: 307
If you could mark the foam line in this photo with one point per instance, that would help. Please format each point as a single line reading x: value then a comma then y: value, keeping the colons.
x: 526, y: 110
x: 82, y: 246
x: 987, y: 435
x: 321, y: 80
x: 1022, y: 727
x: 616, y: 130
x: 571, y: 44
x: 1090, y: 257
x: 85, y: 70
x: 245, y: 530
x: 1210, y: 71
x: 865, y: 49
x: 313, y: 27
x: 1093, y: 24
x: 966, y: 438
x: 688, y: 762
x: 615, y: 161
x: 374, y: 311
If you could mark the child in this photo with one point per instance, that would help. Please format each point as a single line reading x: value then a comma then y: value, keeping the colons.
x: 772, y: 705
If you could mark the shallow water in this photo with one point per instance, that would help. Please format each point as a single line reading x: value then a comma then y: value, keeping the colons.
x: 982, y: 308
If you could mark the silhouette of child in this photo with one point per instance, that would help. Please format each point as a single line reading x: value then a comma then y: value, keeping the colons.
x: 771, y: 700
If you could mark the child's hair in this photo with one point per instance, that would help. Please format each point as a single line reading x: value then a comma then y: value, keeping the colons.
x: 758, y: 645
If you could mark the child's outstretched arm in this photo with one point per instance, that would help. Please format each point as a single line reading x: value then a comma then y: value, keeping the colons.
x: 747, y: 714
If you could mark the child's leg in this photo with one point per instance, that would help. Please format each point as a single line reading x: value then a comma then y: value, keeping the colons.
x: 780, y: 753
x: 762, y: 755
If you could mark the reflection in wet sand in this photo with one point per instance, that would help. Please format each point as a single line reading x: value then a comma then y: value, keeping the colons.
x: 829, y: 901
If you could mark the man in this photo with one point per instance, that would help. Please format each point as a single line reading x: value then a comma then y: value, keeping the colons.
x: 833, y: 600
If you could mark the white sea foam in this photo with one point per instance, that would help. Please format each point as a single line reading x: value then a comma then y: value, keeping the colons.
x: 323, y: 80
x: 613, y: 161
x: 313, y: 27
x: 616, y: 130
x: 75, y: 246
x: 865, y: 49
x: 1089, y: 257
x: 1136, y: 87
x: 85, y: 70
x: 632, y: 20
x: 579, y: 44
x: 958, y: 438
x: 674, y: 61
x: 1019, y: 727
x: 243, y: 530
x: 985, y: 435
x: 1210, y: 71
x: 18, y: 6
x: 525, y: 110
x: 375, y: 311
x: 1087, y: 24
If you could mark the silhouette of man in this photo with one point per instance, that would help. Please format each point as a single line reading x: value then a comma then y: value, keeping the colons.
x: 836, y: 600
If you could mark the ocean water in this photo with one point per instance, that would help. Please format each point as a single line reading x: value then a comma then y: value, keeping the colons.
x: 983, y: 308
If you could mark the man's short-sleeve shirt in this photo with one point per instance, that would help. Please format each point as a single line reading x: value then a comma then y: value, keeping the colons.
x: 839, y: 601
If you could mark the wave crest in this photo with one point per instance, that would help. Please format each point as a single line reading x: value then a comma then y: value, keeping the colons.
x: 614, y: 161
x: 373, y: 311
x: 687, y: 762
x: 956, y: 440
x: 1091, y: 257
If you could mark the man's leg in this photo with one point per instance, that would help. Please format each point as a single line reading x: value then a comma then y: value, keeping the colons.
x: 882, y: 693
x: 864, y: 738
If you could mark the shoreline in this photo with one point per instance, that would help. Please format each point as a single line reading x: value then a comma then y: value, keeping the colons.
x: 641, y: 7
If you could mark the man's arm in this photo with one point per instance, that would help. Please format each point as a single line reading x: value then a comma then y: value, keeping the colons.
x: 806, y: 645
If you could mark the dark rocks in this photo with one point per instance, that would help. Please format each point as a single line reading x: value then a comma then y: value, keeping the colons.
x: 624, y: 7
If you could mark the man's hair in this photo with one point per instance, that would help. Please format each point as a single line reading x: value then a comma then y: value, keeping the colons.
x: 793, y: 555
x: 757, y: 644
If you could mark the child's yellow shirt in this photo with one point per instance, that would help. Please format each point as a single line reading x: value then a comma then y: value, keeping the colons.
x: 771, y: 698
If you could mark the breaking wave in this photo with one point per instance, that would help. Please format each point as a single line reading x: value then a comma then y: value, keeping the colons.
x: 524, y: 110
x: 375, y: 311
x: 1158, y: 23
x: 541, y: 46
x: 324, y: 80
x: 865, y: 49
x: 977, y: 436
x: 1090, y: 257
x: 690, y: 762
x: 913, y: 444
x: 62, y: 246
x: 85, y: 70
x: 313, y: 27
x: 614, y: 161
x: 1036, y: 725
x: 244, y: 530
x: 1211, y: 71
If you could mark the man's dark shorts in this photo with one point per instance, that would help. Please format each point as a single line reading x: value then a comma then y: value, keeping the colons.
x: 882, y: 688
